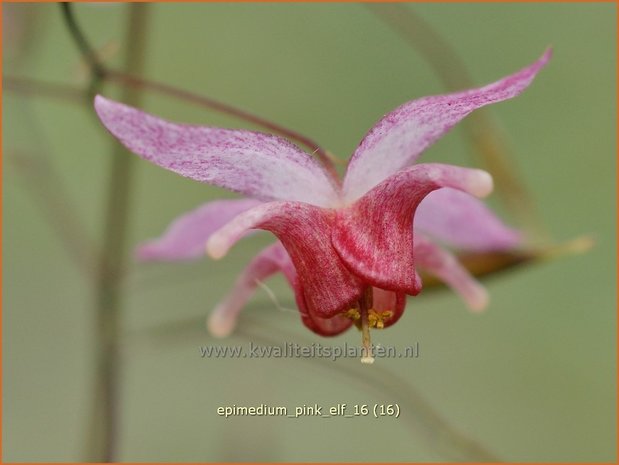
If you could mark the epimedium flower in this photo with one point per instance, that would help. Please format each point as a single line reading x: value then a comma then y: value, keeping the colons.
x: 350, y: 249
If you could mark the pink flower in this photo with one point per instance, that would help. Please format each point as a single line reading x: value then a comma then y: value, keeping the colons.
x: 349, y: 249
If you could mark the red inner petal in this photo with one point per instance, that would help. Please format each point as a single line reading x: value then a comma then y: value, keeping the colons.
x: 328, y: 286
x: 383, y: 300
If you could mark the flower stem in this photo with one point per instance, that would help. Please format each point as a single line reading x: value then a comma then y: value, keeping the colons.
x: 103, y: 429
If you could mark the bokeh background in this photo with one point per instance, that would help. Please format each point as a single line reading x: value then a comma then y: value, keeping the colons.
x: 532, y: 379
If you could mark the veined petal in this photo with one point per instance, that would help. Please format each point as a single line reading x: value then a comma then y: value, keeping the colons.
x: 401, y: 136
x: 255, y: 164
x: 442, y: 264
x: 464, y: 222
x: 270, y: 260
x: 374, y: 236
x: 304, y: 230
x: 186, y: 237
x: 331, y: 326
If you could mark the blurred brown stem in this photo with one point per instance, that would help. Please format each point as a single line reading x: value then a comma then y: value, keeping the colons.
x: 103, y: 446
x: 487, y: 139
x: 37, y: 88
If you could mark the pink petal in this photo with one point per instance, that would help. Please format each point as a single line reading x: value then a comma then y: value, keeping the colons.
x: 400, y: 137
x: 258, y: 165
x: 331, y: 326
x: 270, y: 260
x: 186, y: 237
x: 464, y: 222
x: 388, y: 301
x: 442, y: 264
x: 304, y: 230
x: 374, y: 236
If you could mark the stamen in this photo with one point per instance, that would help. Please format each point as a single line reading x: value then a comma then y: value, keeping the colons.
x: 377, y: 318
x: 353, y: 314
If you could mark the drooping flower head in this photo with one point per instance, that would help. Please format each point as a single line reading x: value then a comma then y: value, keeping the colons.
x: 350, y: 249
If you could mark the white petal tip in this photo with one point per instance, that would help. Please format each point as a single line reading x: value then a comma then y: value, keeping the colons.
x: 367, y: 360
x: 215, y: 249
x: 478, y: 302
x: 481, y: 184
x: 219, y: 327
x: 547, y: 55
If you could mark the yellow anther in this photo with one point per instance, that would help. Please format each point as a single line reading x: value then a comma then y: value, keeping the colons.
x: 376, y: 319
x: 353, y: 314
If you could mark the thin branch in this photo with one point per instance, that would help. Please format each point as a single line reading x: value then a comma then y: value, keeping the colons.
x: 113, y: 264
x: 486, y: 137
x: 86, y: 50
x: 104, y: 424
x: 135, y: 81
x: 67, y: 92
x: 30, y: 86
x: 100, y: 73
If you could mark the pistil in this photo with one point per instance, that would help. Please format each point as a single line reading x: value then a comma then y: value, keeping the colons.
x: 364, y: 305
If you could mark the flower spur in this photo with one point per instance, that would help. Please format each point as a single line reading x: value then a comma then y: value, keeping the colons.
x: 349, y: 249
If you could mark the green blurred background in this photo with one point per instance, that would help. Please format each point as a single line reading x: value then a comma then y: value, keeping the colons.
x: 532, y: 379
